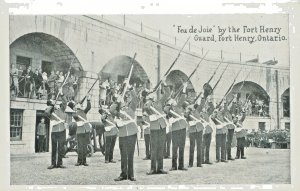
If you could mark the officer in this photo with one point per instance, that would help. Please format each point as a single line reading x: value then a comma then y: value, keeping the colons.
x: 57, y: 116
x: 157, y: 130
x: 240, y: 135
x: 83, y: 131
x: 110, y: 134
x: 178, y: 124
x: 146, y: 128
x: 127, y: 132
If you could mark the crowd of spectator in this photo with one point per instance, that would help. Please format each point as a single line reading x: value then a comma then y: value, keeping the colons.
x: 264, y: 139
x: 257, y: 107
x: 37, y: 84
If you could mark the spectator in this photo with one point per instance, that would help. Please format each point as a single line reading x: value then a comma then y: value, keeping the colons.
x: 51, y: 83
x: 26, y: 83
x: 75, y: 85
x: 103, y: 90
x: 44, y: 85
x: 15, y: 79
x: 41, y: 135
x: 38, y: 81
x: 59, y: 81
x: 68, y: 89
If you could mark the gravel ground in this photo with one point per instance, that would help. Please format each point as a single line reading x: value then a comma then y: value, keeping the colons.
x: 262, y: 166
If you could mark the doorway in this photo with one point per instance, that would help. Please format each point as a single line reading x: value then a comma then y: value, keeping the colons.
x: 39, y: 116
x: 47, y: 67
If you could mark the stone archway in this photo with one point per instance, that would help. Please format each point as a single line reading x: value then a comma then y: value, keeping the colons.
x: 117, y: 70
x: 45, y: 52
x: 285, y: 100
x: 39, y: 46
x: 175, y: 79
x: 254, y: 93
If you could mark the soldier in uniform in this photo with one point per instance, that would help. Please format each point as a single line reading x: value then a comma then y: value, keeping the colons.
x: 195, y: 131
x: 127, y: 133
x: 178, y: 124
x: 205, y: 115
x: 203, y: 110
x: 158, y: 126
x: 146, y: 128
x: 219, y: 122
x: 110, y: 134
x: 57, y: 116
x: 83, y: 131
x: 230, y: 126
x: 240, y: 135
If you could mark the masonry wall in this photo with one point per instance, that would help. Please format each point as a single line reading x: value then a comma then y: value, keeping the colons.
x: 97, y: 41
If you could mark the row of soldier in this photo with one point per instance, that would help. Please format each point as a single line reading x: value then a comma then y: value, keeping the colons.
x: 165, y: 118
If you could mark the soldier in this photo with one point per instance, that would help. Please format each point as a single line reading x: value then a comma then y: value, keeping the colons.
x: 240, y: 135
x: 205, y: 114
x: 158, y: 126
x: 146, y: 128
x: 110, y: 134
x: 127, y: 133
x: 83, y: 131
x: 178, y: 129
x: 230, y: 126
x: 195, y: 131
x: 219, y: 122
x: 57, y: 116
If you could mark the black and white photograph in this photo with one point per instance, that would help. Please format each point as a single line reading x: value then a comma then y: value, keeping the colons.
x: 149, y: 99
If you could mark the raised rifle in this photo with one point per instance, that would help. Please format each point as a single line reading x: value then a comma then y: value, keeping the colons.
x: 206, y: 87
x: 68, y: 74
x: 129, y: 76
x: 182, y: 86
x: 88, y: 91
x: 167, y: 72
x: 230, y: 88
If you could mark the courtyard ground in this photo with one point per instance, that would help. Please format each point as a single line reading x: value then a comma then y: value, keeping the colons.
x: 262, y: 166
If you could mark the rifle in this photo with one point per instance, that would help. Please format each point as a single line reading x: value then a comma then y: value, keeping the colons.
x: 68, y: 74
x: 214, y: 72
x: 212, y: 89
x: 129, y: 76
x: 230, y: 88
x: 181, y: 87
x: 167, y: 72
x: 207, y: 88
x: 88, y: 91
x: 220, y: 77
